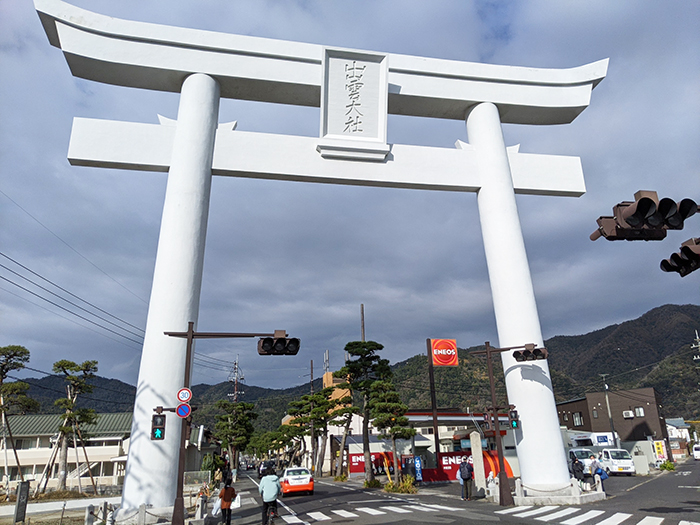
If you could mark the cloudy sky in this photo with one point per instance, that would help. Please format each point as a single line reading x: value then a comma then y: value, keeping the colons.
x: 304, y: 257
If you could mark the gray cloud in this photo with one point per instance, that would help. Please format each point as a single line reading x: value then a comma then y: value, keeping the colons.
x: 304, y: 257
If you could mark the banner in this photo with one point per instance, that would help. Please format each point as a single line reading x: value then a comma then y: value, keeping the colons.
x: 444, y: 352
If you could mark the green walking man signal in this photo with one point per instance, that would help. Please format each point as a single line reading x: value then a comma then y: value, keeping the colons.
x: 158, y: 427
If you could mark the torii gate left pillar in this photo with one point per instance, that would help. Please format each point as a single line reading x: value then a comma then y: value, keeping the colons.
x: 177, y: 281
x: 203, y: 65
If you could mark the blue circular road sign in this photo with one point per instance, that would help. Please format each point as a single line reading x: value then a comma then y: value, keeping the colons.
x: 183, y: 410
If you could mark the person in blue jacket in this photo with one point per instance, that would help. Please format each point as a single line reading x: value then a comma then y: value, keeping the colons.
x: 270, y: 489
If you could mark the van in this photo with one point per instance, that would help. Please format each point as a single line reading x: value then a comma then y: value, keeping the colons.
x: 584, y: 456
x: 696, y: 451
x: 617, y: 461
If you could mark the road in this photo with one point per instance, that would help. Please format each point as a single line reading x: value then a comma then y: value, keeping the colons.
x: 669, y: 498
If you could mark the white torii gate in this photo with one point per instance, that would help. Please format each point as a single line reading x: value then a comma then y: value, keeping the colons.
x: 355, y: 91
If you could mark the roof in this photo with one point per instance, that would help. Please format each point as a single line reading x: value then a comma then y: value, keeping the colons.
x: 108, y: 424
x: 677, y: 422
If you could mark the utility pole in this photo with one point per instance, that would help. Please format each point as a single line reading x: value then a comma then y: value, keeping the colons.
x: 235, y: 377
x: 607, y: 403
x: 311, y: 421
x: 362, y: 321
x: 528, y: 352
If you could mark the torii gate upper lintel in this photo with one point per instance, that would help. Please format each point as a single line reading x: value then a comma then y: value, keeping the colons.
x: 355, y: 90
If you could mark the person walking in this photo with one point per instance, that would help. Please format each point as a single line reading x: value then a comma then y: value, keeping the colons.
x: 227, y: 494
x: 465, y: 474
x: 269, y: 489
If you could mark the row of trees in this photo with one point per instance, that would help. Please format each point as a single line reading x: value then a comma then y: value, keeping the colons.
x: 368, y: 379
x: 14, y: 400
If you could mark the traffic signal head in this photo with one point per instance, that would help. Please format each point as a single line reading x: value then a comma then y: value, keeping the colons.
x: 686, y: 261
x: 278, y: 346
x: 158, y: 427
x: 513, y: 419
x: 487, y: 421
x: 646, y: 219
x: 530, y: 353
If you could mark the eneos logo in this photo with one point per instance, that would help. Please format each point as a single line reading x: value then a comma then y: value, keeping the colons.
x: 444, y: 352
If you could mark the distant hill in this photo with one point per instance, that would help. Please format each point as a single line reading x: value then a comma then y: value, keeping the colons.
x: 651, y: 351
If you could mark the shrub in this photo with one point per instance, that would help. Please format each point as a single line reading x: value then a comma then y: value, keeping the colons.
x: 342, y: 477
x: 374, y: 484
x: 667, y: 465
x: 405, y: 487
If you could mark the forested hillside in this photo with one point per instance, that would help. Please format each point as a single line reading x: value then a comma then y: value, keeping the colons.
x: 651, y: 351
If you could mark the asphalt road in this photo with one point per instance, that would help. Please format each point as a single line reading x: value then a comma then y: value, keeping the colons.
x: 668, y: 498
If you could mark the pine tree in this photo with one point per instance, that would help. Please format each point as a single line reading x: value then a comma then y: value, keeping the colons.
x: 362, y: 369
x: 388, y: 413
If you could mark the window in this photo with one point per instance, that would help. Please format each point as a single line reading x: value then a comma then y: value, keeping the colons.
x: 639, y: 411
x: 578, y: 419
x: 566, y: 416
x: 595, y: 414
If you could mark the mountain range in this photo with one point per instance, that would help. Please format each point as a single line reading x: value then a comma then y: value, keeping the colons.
x: 654, y: 350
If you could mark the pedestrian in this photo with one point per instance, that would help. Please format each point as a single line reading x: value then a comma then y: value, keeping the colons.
x: 597, y: 468
x: 269, y: 489
x: 227, y: 494
x: 577, y: 469
x: 218, y: 477
x: 465, y: 474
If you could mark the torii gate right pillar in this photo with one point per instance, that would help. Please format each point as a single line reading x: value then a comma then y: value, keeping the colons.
x: 539, y: 443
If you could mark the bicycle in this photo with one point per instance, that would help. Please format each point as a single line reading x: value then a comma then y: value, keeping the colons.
x: 272, y: 514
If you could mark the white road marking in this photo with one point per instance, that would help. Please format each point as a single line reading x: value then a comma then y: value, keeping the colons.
x: 583, y: 517
x: 535, y: 512
x: 558, y: 514
x: 616, y: 518
x: 651, y: 520
x: 371, y: 511
x: 319, y: 516
x: 442, y: 507
x: 292, y: 519
x: 513, y: 509
x: 421, y: 508
x: 398, y: 510
x: 345, y: 514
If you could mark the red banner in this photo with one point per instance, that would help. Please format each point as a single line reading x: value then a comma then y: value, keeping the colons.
x: 444, y: 352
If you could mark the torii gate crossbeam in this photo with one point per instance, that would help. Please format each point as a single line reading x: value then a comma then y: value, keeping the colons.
x: 355, y: 90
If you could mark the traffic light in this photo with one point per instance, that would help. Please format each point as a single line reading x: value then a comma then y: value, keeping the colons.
x: 278, y: 346
x: 487, y: 421
x: 530, y: 353
x: 645, y: 219
x: 158, y: 427
x: 685, y: 262
x: 513, y: 419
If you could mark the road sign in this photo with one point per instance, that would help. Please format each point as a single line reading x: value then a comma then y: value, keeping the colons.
x: 184, y: 395
x: 183, y: 410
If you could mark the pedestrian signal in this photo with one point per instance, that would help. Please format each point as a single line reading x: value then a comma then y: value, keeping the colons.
x: 158, y: 427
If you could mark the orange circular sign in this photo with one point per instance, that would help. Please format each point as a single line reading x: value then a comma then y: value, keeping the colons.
x: 444, y: 352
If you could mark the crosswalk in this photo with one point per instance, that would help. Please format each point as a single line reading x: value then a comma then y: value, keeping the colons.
x: 356, y: 512
x: 577, y: 516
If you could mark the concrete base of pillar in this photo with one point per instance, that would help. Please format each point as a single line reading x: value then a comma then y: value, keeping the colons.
x: 144, y: 515
x: 575, y: 494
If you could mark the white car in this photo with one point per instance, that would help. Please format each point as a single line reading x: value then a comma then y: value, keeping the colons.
x: 584, y: 456
x: 617, y: 461
x: 696, y: 451
x: 297, y: 479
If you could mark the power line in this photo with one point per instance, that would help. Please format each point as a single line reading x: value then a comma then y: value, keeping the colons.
x: 67, y: 310
x: 66, y: 318
x: 74, y: 304
x: 69, y: 246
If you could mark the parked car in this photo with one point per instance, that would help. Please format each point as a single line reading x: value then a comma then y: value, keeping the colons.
x: 696, y: 451
x: 297, y: 479
x: 264, y: 465
x: 617, y: 461
x: 584, y: 456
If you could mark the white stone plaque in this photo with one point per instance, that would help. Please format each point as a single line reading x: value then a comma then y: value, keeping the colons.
x: 354, y: 105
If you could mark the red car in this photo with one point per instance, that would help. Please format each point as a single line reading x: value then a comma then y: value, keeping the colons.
x: 297, y: 479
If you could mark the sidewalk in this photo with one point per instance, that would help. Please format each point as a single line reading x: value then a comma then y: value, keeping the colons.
x: 57, y: 506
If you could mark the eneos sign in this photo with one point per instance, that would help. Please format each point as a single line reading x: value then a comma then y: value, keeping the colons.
x: 444, y: 352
